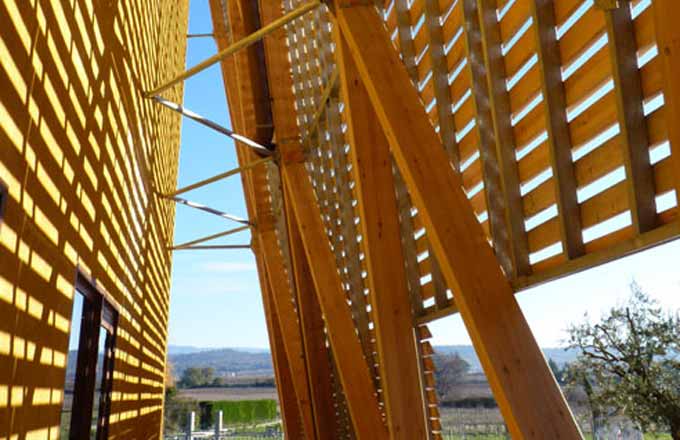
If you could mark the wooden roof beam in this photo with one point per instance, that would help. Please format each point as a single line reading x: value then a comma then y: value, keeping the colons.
x: 497, y: 138
x: 631, y: 117
x: 523, y: 385
x: 559, y: 138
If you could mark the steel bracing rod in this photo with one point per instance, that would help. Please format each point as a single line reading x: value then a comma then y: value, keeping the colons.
x: 210, y: 237
x: 245, y: 42
x: 214, y: 125
x: 200, y: 35
x: 221, y: 176
x: 214, y: 247
x: 210, y: 210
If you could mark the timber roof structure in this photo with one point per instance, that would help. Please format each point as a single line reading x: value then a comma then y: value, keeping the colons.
x: 433, y: 157
x: 402, y: 161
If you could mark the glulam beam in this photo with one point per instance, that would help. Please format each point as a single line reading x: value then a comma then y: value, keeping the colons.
x: 312, y: 327
x: 388, y: 290
x: 524, y: 387
x: 353, y: 370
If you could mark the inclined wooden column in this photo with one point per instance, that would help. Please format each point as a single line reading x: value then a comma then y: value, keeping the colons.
x: 319, y: 369
x: 282, y: 299
x: 353, y: 370
x: 388, y: 290
x: 666, y: 13
x: 524, y: 387
x: 290, y: 413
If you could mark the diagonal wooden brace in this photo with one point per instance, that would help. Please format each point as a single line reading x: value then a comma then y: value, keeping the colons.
x: 523, y: 385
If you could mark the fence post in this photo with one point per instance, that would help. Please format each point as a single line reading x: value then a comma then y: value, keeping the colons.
x: 190, y: 425
x: 218, y: 425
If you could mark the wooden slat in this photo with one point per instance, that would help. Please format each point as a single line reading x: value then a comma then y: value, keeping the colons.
x: 666, y: 13
x: 372, y: 171
x: 493, y: 191
x: 629, y: 100
x: 525, y: 390
x: 660, y: 235
x: 503, y: 141
x: 408, y: 242
x: 558, y: 131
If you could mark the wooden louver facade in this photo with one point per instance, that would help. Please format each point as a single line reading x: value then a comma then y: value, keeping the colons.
x: 433, y: 157
x: 402, y: 161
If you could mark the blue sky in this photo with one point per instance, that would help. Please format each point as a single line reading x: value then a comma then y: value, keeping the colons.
x: 215, y: 299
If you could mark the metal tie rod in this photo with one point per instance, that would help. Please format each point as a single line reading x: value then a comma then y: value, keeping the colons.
x: 214, y: 247
x: 211, y: 210
x: 210, y: 237
x: 214, y: 125
x: 221, y: 176
x: 245, y: 42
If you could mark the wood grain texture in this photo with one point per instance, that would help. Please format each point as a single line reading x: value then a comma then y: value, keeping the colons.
x: 353, y: 370
x: 559, y: 138
x: 629, y: 106
x: 499, y: 151
x: 372, y: 170
x: 523, y: 385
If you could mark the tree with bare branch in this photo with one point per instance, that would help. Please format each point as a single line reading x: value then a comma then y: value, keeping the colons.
x: 632, y: 359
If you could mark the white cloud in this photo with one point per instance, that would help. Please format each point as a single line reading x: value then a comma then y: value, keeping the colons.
x: 229, y: 266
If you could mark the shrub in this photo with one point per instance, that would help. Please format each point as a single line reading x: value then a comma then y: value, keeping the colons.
x: 238, y: 412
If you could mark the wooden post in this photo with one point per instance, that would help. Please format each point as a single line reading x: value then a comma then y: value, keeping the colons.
x: 497, y: 139
x: 523, y: 385
x: 375, y: 190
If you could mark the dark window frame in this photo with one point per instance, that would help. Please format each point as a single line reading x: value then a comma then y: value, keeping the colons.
x: 98, y: 314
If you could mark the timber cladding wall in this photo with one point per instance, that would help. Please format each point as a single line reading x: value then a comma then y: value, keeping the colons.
x: 82, y: 155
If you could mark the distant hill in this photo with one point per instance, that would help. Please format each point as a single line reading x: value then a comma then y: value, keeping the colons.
x: 467, y: 352
x: 257, y: 362
x: 187, y: 349
x: 225, y: 361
